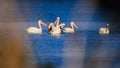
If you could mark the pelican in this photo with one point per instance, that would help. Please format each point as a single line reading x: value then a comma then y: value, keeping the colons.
x: 70, y: 30
x: 55, y: 28
x: 104, y: 30
x: 35, y: 30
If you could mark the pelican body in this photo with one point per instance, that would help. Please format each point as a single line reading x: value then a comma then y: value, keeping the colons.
x: 70, y: 30
x: 56, y: 31
x: 35, y: 30
x: 104, y: 30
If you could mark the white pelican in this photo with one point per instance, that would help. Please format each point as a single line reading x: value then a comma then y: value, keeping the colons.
x: 55, y: 29
x: 35, y: 30
x: 104, y: 30
x: 70, y: 30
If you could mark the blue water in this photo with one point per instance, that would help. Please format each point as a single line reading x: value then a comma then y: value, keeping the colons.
x: 86, y: 48
x: 81, y: 49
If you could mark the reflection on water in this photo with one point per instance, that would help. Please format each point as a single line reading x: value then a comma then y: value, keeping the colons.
x: 83, y: 49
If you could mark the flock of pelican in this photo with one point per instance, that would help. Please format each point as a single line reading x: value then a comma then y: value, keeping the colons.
x: 56, y: 28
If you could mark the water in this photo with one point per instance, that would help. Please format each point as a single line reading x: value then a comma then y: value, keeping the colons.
x: 81, y: 49
x: 86, y: 48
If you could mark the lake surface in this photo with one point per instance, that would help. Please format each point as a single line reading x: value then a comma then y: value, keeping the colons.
x: 86, y: 48
x: 83, y: 49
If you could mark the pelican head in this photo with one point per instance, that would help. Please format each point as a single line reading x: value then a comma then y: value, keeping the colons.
x: 42, y: 23
x: 61, y: 25
x: 58, y: 18
x: 74, y: 25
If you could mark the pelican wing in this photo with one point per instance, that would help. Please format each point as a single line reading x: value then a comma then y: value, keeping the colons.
x: 68, y: 30
x: 42, y: 23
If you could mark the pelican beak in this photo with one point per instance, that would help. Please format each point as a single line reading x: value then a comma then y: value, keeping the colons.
x: 42, y: 23
x: 75, y: 26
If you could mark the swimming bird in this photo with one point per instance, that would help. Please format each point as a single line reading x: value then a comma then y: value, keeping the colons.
x: 104, y: 30
x: 70, y: 30
x: 35, y: 30
x: 52, y: 26
x: 55, y: 28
